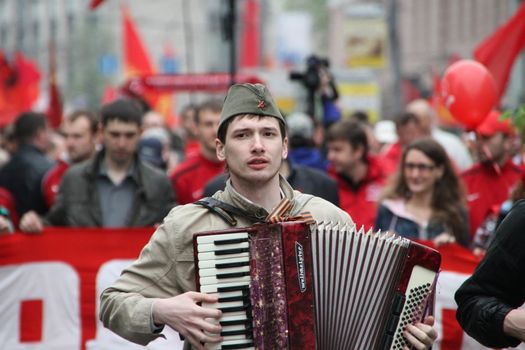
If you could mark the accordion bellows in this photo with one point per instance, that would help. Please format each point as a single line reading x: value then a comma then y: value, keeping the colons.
x: 292, y: 285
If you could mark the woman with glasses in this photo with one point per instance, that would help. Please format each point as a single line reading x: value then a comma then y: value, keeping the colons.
x: 425, y: 199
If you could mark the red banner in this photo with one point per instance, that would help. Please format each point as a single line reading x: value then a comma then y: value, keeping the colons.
x: 206, y: 82
x: 500, y: 49
x: 49, y: 287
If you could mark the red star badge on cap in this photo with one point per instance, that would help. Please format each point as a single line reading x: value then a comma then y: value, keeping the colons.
x: 261, y: 104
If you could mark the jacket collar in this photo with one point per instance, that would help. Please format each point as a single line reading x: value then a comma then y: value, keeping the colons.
x: 231, y: 196
x: 28, y: 147
x: 96, y: 167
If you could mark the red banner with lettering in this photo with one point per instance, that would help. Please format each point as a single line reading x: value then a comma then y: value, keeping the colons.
x: 49, y: 287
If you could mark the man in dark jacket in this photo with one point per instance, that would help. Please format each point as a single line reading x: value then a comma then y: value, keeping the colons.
x: 22, y: 175
x: 115, y: 189
x: 489, y: 301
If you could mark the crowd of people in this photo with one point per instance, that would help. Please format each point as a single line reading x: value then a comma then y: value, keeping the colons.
x: 122, y: 166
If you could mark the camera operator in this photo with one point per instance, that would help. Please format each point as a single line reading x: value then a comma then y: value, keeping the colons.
x: 321, y: 89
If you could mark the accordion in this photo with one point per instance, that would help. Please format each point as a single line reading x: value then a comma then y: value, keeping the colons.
x: 292, y: 285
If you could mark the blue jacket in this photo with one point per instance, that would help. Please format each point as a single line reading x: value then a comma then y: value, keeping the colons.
x: 308, y: 156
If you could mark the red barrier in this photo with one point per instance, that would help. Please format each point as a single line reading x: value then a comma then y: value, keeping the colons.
x: 85, y: 250
x: 49, y: 285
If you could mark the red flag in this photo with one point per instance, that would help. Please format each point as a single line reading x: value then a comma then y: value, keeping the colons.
x: 499, y: 51
x: 54, y: 109
x: 19, y: 88
x: 7, y: 81
x: 28, y: 76
x: 137, y: 62
x: 250, y: 36
x: 94, y: 3
x: 136, y: 59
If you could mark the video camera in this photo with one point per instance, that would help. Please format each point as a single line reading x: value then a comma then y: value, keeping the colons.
x: 310, y: 78
x: 318, y: 81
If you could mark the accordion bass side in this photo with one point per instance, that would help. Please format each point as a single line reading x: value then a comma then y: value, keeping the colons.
x: 327, y: 286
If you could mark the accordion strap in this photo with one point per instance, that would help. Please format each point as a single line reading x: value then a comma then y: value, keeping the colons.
x: 285, y: 211
x: 227, y: 211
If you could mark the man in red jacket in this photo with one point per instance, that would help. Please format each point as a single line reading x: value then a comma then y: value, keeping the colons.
x: 490, y: 181
x: 190, y: 177
x: 359, y: 176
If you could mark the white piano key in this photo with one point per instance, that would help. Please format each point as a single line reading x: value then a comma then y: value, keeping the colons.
x: 239, y: 327
x: 235, y: 337
x: 217, y: 346
x: 214, y: 248
x: 233, y: 316
x: 211, y: 263
x: 236, y: 293
x: 212, y: 256
x: 214, y: 280
x: 239, y: 316
x: 214, y: 287
x: 245, y: 334
x: 222, y: 237
x: 213, y: 346
x: 222, y: 305
x: 215, y: 272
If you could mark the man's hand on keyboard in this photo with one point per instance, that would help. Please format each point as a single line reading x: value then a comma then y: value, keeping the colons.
x: 189, y: 319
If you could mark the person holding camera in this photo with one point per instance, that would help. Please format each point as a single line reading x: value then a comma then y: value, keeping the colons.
x: 321, y: 89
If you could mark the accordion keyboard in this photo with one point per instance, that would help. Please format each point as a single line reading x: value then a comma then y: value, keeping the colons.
x: 224, y: 270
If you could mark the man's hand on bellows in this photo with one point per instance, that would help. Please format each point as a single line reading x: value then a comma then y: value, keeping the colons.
x: 421, y: 335
x: 189, y: 319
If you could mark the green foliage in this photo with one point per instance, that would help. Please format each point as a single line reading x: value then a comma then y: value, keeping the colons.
x: 517, y: 116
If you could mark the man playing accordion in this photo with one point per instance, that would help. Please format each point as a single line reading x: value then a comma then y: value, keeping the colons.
x: 158, y: 289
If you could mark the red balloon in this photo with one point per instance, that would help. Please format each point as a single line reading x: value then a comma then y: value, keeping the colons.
x: 469, y: 92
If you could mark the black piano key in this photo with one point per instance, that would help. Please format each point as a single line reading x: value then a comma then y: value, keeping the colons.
x: 233, y: 308
x: 233, y: 274
x: 231, y: 241
x: 232, y: 251
x: 236, y: 322
x: 246, y: 332
x: 237, y: 298
x: 233, y: 289
x: 234, y: 264
x: 237, y: 346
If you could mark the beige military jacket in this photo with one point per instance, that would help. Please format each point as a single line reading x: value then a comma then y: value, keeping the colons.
x: 165, y: 266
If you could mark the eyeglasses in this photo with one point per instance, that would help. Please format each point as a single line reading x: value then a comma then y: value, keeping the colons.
x: 419, y: 166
